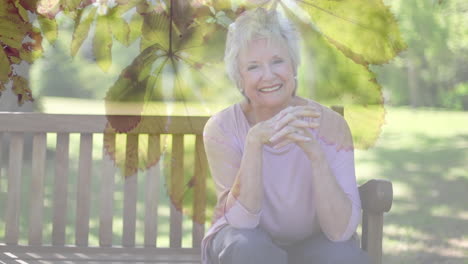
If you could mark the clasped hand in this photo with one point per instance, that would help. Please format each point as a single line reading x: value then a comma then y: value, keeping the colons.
x: 288, y: 126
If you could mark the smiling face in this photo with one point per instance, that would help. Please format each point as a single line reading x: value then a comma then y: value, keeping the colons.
x: 267, y: 74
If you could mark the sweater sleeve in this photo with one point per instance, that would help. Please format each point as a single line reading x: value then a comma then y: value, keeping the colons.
x: 343, y: 168
x: 224, y: 157
x: 341, y: 161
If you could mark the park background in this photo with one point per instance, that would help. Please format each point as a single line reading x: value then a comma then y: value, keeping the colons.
x: 422, y: 143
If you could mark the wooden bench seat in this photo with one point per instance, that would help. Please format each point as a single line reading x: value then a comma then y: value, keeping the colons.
x: 88, y: 255
x: 79, y: 194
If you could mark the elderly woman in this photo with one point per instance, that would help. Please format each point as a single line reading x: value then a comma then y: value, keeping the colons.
x: 283, y: 165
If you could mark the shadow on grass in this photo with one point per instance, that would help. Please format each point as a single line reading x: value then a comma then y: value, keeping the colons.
x: 428, y: 222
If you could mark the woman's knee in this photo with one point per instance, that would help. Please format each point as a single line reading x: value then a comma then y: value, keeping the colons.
x: 248, y: 246
x: 343, y: 252
x: 321, y: 250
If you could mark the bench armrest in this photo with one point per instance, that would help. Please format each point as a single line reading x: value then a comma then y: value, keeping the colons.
x: 376, y: 196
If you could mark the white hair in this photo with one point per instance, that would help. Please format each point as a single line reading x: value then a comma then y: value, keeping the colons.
x: 254, y: 24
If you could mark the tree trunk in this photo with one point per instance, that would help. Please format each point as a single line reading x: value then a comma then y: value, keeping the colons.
x: 414, y: 95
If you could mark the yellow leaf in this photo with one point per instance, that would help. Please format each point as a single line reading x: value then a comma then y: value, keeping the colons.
x: 131, y: 154
x: 48, y: 28
x: 120, y: 30
x: 21, y: 89
x: 102, y: 43
x: 81, y: 30
x: 135, y: 27
x: 366, y: 31
x: 70, y: 5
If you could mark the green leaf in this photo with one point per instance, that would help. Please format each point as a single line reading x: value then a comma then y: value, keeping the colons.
x: 226, y: 6
x: 5, y: 68
x: 70, y: 5
x: 102, y: 43
x: 340, y: 81
x: 128, y: 91
x: 156, y: 28
x: 81, y: 30
x: 364, y: 30
x: 145, y: 43
x: 131, y: 85
x: 120, y: 30
x: 213, y: 11
x: 223, y: 19
x: 122, y: 8
x: 21, y: 89
x: 205, y: 44
x: 365, y: 123
x: 27, y: 55
x: 30, y: 55
x: 15, y: 60
x: 21, y: 11
x: 13, y: 31
x: 49, y: 28
x: 2, y: 88
x: 135, y: 25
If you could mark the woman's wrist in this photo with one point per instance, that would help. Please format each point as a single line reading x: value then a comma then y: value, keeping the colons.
x: 315, y: 154
x: 253, y: 141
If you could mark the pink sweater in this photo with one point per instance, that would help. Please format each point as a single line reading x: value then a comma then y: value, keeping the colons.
x: 288, y: 212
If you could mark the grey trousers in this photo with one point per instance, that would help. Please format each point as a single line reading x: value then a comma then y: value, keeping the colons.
x: 245, y: 246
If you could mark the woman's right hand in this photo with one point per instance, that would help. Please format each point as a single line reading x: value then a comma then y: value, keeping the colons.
x: 261, y: 132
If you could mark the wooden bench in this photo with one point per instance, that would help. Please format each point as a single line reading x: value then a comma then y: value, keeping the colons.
x: 67, y: 238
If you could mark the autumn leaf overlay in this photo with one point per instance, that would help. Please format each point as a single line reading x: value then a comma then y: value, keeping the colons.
x: 188, y: 37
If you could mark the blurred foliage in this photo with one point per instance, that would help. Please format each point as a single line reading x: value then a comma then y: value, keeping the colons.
x: 434, y: 65
x: 20, y: 41
x: 58, y: 73
x: 190, y: 34
x: 457, y: 98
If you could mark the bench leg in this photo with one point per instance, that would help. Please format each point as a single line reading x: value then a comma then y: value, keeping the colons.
x: 372, y: 229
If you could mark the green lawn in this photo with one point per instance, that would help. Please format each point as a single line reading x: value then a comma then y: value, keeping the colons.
x: 423, y: 152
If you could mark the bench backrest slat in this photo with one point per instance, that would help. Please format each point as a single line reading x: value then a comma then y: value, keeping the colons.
x: 176, y: 190
x: 83, y: 189
x: 14, y: 188
x: 1, y: 158
x: 199, y: 199
x: 151, y: 191
x: 106, y: 195
x: 60, y: 193
x: 73, y: 188
x: 37, y: 189
x: 38, y: 122
x: 130, y: 191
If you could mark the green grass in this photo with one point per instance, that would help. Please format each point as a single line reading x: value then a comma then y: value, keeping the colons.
x: 424, y: 152
x: 59, y: 105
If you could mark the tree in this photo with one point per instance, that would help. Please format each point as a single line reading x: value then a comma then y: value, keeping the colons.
x: 434, y: 64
